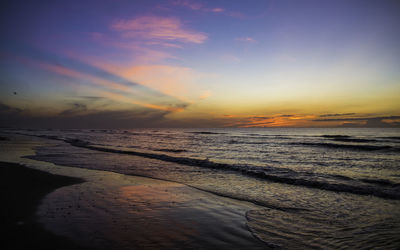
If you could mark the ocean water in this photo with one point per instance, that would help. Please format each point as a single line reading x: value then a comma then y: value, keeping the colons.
x: 316, y: 188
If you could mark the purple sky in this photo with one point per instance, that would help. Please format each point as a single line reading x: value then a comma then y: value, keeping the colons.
x: 184, y: 63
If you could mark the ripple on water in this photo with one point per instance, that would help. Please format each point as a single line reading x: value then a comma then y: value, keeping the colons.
x: 305, y: 229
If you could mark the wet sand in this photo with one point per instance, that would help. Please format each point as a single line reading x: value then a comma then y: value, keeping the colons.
x: 21, y: 190
x: 116, y: 211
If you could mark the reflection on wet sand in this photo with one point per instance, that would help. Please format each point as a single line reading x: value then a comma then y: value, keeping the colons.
x: 117, y: 212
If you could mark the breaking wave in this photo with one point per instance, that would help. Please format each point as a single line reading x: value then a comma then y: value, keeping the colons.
x: 279, y: 175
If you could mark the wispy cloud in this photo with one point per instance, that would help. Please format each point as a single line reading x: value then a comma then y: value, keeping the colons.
x: 126, y: 99
x: 246, y: 39
x: 357, y: 118
x: 188, y: 4
x: 278, y: 120
x: 143, y: 52
x: 379, y: 121
x: 116, y: 87
x: 307, y: 120
x: 148, y: 69
x: 335, y: 115
x: 82, y: 76
x: 76, y: 108
x: 196, y: 6
x: 78, y: 117
x: 158, y: 29
x: 230, y: 58
x: 171, y: 80
x: 217, y: 10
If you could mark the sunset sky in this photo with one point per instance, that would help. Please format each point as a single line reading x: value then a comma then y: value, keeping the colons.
x: 184, y: 63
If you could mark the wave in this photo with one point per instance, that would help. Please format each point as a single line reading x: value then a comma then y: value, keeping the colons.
x: 279, y: 175
x: 353, y: 140
x: 247, y: 142
x: 336, y: 136
x: 170, y: 150
x: 285, y: 176
x: 206, y: 133
x: 392, y: 137
x: 346, y: 138
x: 345, y: 146
x: 381, y: 182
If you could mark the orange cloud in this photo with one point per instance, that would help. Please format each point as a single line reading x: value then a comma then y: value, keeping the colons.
x: 158, y: 28
x: 391, y: 121
x: 270, y: 121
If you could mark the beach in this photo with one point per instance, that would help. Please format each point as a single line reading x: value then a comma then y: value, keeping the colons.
x: 80, y: 208
x: 196, y: 189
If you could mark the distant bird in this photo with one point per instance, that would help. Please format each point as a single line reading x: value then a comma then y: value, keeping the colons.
x: 15, y: 93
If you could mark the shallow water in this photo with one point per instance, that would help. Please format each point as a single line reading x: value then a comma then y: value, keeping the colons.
x: 320, y: 188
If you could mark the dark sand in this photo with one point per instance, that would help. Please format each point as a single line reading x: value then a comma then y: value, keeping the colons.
x: 21, y: 191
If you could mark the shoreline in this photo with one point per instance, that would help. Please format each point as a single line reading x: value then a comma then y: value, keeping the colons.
x: 123, y: 210
x: 22, y: 189
x: 116, y: 211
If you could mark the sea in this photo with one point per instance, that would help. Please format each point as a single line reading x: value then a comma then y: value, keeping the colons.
x: 335, y: 188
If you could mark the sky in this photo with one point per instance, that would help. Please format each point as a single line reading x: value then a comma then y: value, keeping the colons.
x: 192, y: 63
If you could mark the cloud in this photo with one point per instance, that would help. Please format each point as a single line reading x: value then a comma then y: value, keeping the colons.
x: 76, y: 108
x: 279, y: 120
x: 217, y: 10
x: 196, y: 6
x: 246, y: 39
x: 357, y: 119
x: 122, y: 98
x: 188, y: 4
x: 92, y: 98
x: 334, y: 115
x: 382, y: 121
x: 7, y: 110
x: 129, y: 118
x: 170, y: 80
x: 80, y: 75
x: 298, y: 120
x: 159, y: 29
x: 106, y: 81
